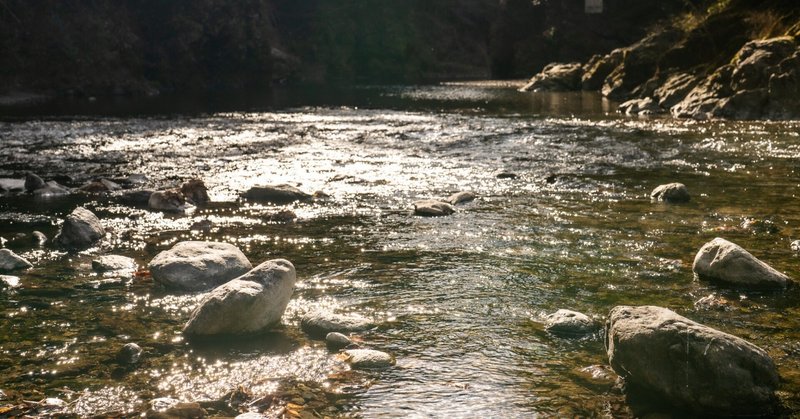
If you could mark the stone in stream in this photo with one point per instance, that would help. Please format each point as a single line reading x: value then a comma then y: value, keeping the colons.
x: 335, y: 341
x: 169, y: 201
x: 368, y: 358
x: 723, y: 261
x: 10, y: 261
x: 688, y: 364
x: 198, y: 266
x: 432, y: 208
x: 195, y: 191
x: 136, y: 198
x: 38, y: 238
x: 33, y: 182
x: 671, y: 192
x: 795, y: 246
x: 569, y: 323
x: 129, y: 353
x: 51, y: 189
x: 100, y: 186
x: 80, y: 230
x: 9, y: 281
x: 504, y: 174
x: 248, y: 304
x: 276, y: 194
x: 318, y: 324
x: 169, y: 408
x: 108, y: 263
x: 460, y: 198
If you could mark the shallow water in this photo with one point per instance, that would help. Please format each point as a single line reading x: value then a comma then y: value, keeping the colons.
x: 458, y: 300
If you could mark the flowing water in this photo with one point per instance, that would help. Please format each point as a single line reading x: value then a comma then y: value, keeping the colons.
x: 458, y: 300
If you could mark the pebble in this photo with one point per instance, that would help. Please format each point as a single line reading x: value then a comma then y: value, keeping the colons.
x: 336, y: 341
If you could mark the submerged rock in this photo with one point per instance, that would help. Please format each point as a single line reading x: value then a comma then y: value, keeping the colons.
x: 432, y: 208
x: 198, y: 266
x: 460, y: 198
x: 569, y: 323
x: 335, y: 341
x: 81, y: 229
x: 51, y: 189
x: 690, y: 365
x: 169, y: 201
x: 113, y: 263
x: 247, y: 304
x: 277, y: 194
x: 721, y: 260
x: 368, y: 358
x: 671, y: 192
x: 10, y: 261
x: 129, y: 354
x: 195, y: 191
x: 318, y: 324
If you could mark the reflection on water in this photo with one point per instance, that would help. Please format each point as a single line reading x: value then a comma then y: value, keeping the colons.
x: 458, y: 300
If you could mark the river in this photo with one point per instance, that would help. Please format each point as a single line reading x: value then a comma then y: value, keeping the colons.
x: 458, y: 300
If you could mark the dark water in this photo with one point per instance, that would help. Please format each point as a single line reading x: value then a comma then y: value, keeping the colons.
x: 458, y: 300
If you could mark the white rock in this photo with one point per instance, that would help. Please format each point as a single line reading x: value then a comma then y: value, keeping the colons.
x: 247, y: 304
x: 198, y: 266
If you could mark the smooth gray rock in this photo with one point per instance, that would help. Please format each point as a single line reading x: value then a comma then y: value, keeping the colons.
x: 688, y: 364
x: 168, y: 201
x: 10, y: 261
x: 432, y: 208
x: 335, y: 341
x: 368, y: 358
x: 80, y: 230
x: 247, y: 304
x: 318, y: 324
x: 51, y: 189
x: 460, y: 198
x: 198, y: 266
x: 569, y: 323
x: 723, y: 261
x: 277, y: 194
x: 113, y: 263
x: 33, y: 182
x: 129, y: 354
x: 671, y: 192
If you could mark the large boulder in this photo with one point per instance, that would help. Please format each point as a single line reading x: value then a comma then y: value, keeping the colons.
x: 198, y: 266
x: 556, y: 77
x: 688, y: 364
x: 10, y: 261
x: 721, y: 260
x: 80, y: 230
x: 247, y: 304
x: 277, y: 194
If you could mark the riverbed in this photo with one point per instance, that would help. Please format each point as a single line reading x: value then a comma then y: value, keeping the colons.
x: 459, y: 301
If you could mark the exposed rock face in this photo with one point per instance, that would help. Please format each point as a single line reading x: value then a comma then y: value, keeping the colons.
x: 247, y: 304
x: 569, y: 323
x: 276, y: 194
x: 690, y: 365
x: 637, y: 64
x: 556, y: 77
x: 10, y: 261
x: 368, y: 358
x: 671, y: 192
x: 721, y: 260
x: 198, y: 266
x: 80, y: 230
x: 113, y: 263
x: 599, y: 67
x: 320, y: 324
x: 432, y: 208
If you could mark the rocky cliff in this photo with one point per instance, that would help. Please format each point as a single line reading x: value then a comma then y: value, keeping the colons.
x: 737, y: 59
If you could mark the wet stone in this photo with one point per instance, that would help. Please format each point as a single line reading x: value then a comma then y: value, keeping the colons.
x: 460, y: 198
x: 319, y: 324
x: 336, y: 341
x: 432, y: 208
x: 726, y: 262
x: 81, y: 229
x: 569, y: 323
x: 276, y: 194
x: 129, y: 354
x: 198, y: 266
x: 671, y: 193
x: 10, y: 261
x: 195, y: 191
x: 712, y: 302
x: 137, y: 198
x: 33, y: 182
x: 9, y: 281
x: 113, y: 263
x: 504, y: 174
x: 51, y: 189
x: 38, y: 238
x: 368, y: 358
x: 795, y: 246
x: 168, y: 201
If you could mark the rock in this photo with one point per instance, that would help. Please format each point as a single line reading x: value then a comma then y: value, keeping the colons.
x: 276, y: 194
x: 113, y: 263
x: 335, y: 341
x: 675, y: 89
x: 282, y: 217
x: 318, y: 324
x: 169, y: 408
x: 8, y: 281
x: 688, y: 364
x: 51, y: 189
x: 638, y: 64
x: 137, y: 198
x: 368, y: 358
x: 195, y: 191
x: 129, y: 354
x: 569, y: 323
x: 33, y: 182
x: 671, y: 192
x: 712, y: 301
x: 432, y: 208
x: 598, y: 68
x: 755, y: 226
x: 80, y: 230
x: 9, y: 261
x: 556, y: 77
x: 460, y: 198
x: 646, y: 106
x: 198, y: 266
x: 504, y: 174
x: 8, y: 185
x: 169, y: 201
x: 247, y: 304
x: 100, y: 186
x: 723, y: 261
x: 38, y: 238
x: 795, y: 246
